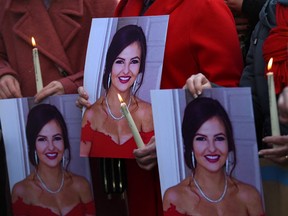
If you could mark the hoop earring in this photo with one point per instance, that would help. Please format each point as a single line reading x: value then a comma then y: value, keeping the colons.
x: 227, y: 166
x: 64, y: 158
x: 109, y: 81
x: 193, y: 160
x: 63, y: 161
x: 36, y: 157
x: 134, y: 87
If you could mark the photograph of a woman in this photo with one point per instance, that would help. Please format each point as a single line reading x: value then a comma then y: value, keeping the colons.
x: 210, y: 189
x: 50, y: 189
x: 105, y: 131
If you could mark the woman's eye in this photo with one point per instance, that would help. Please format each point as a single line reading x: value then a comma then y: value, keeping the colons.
x: 119, y: 61
x: 135, y: 61
x: 199, y: 138
x: 58, y: 138
x: 220, y: 138
x: 41, y: 139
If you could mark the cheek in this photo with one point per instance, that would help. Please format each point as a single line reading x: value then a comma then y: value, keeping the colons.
x: 59, y: 145
x: 135, y: 69
x: 40, y: 147
x: 223, y: 147
x: 116, y: 68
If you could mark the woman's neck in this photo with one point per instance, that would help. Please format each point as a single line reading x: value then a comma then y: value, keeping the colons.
x: 209, y: 179
x: 113, y: 99
x: 50, y: 173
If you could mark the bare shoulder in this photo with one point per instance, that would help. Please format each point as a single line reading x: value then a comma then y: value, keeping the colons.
x: 82, y: 187
x: 94, y: 112
x: 144, y: 107
x: 79, y: 182
x: 179, y: 195
x: 23, y: 188
x: 247, y: 192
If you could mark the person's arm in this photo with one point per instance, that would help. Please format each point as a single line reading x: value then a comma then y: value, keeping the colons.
x: 9, y: 84
x: 252, y: 199
x: 218, y: 55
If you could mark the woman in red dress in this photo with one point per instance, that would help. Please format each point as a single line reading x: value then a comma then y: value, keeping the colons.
x: 210, y: 190
x: 51, y: 189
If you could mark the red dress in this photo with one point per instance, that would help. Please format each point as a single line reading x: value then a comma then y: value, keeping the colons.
x: 103, y: 146
x: 143, y: 187
x: 171, y: 211
x: 22, y: 209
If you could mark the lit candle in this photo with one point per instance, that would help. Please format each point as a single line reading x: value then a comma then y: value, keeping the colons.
x: 272, y: 101
x: 37, y: 69
x: 131, y: 123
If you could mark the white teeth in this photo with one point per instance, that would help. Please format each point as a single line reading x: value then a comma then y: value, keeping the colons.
x: 212, y: 157
x: 124, y: 78
x: 51, y: 154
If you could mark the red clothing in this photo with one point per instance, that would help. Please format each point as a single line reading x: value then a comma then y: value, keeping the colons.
x: 143, y: 187
x: 276, y: 46
x: 22, y: 209
x: 61, y: 35
x: 103, y: 146
x: 143, y: 190
x: 201, y: 37
x: 171, y: 211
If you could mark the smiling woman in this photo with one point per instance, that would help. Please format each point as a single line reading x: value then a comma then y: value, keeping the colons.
x: 208, y: 140
x: 51, y: 188
x: 105, y: 131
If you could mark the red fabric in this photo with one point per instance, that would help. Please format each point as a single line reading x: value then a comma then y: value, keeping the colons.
x: 104, y: 146
x: 61, y: 36
x: 171, y: 211
x: 143, y: 187
x: 192, y: 46
x: 20, y: 208
x: 143, y: 190
x: 276, y: 46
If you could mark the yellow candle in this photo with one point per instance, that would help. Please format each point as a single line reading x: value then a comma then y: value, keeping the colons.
x: 127, y: 114
x: 275, y: 129
x: 37, y: 69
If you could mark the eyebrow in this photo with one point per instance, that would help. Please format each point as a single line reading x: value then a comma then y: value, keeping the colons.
x: 213, y: 135
x: 58, y: 134
x: 131, y: 58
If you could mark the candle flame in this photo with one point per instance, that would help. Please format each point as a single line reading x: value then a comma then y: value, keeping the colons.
x: 120, y: 98
x: 269, y: 66
x: 33, y: 42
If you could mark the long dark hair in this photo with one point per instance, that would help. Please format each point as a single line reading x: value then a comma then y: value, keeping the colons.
x: 122, y: 39
x: 38, y: 117
x: 196, y: 113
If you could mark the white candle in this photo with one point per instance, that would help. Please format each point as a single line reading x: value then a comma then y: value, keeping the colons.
x: 37, y: 69
x: 275, y: 129
x: 127, y: 114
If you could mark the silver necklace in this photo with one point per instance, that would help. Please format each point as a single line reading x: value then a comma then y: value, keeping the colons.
x: 46, y: 188
x: 206, y: 197
x: 110, y: 112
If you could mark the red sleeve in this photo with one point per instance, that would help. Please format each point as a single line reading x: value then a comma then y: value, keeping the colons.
x: 218, y: 48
